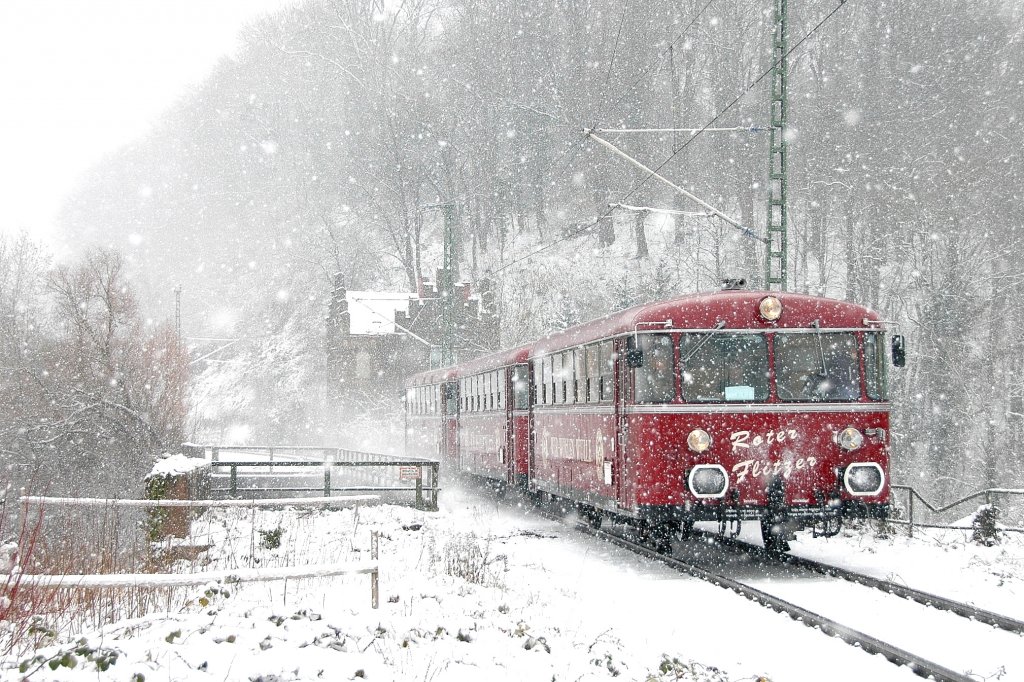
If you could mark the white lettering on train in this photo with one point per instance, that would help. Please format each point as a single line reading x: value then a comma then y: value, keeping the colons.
x: 579, y: 449
x: 765, y: 469
x: 742, y: 439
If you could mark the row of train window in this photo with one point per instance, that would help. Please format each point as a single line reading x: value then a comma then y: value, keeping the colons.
x: 580, y: 375
x: 424, y: 400
x: 486, y: 392
x: 482, y: 392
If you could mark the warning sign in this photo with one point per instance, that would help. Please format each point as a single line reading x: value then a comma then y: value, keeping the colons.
x: 409, y: 473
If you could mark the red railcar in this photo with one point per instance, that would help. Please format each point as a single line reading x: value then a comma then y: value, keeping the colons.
x: 725, y: 406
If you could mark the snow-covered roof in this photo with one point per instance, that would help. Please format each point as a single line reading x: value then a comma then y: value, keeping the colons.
x: 174, y: 465
x: 373, y: 312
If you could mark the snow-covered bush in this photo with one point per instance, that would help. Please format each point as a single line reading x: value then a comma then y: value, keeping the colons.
x: 985, y: 530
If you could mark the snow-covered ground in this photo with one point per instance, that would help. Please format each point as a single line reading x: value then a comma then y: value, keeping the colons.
x: 485, y: 591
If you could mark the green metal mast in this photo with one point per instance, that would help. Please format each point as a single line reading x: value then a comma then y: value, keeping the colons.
x: 446, y: 287
x: 775, y: 253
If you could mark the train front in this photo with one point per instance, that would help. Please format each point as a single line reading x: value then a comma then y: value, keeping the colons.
x: 780, y: 413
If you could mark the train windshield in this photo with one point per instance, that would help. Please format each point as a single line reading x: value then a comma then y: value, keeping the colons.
x: 875, y: 378
x: 724, y: 367
x: 818, y: 367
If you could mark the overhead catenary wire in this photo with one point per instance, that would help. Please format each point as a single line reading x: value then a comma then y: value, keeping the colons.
x: 574, y: 147
x: 661, y: 55
x: 667, y: 211
x: 692, y: 197
x: 734, y: 129
x: 583, y: 228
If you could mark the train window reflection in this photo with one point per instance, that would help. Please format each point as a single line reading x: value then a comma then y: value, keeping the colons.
x: 724, y: 367
x: 655, y: 380
x: 819, y: 367
x: 874, y: 366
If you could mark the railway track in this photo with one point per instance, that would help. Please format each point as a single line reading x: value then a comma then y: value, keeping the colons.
x: 968, y: 611
x: 919, y: 664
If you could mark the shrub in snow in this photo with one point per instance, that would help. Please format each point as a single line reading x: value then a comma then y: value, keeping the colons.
x: 675, y: 669
x: 985, y: 529
x: 271, y: 539
x: 466, y: 556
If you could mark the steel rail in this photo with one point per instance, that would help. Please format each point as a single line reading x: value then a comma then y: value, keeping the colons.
x: 872, y: 645
x: 920, y: 596
x: 928, y: 599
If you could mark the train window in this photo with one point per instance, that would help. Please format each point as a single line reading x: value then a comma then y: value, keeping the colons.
x: 520, y: 388
x: 549, y: 380
x: 589, y: 385
x: 559, y: 379
x: 874, y: 366
x: 607, y: 370
x: 538, y: 374
x: 492, y: 390
x: 655, y: 380
x: 579, y: 392
x: 818, y: 366
x: 724, y: 367
x: 449, y: 394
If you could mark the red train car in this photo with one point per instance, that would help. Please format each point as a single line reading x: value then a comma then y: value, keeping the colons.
x: 725, y: 406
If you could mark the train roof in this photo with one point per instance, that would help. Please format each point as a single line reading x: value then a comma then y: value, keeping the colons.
x: 501, y: 358
x: 738, y: 308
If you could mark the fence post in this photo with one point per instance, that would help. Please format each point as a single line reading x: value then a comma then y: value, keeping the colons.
x: 271, y: 459
x: 327, y: 481
x: 434, y: 473
x: 419, y: 487
x: 910, y: 497
x: 215, y: 454
x: 234, y: 480
x: 375, y: 576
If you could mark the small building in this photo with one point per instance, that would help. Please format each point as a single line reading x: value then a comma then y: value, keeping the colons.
x: 375, y: 339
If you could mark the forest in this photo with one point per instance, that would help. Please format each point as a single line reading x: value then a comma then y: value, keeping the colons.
x: 326, y: 143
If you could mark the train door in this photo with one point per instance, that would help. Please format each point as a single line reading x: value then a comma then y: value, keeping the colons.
x: 450, y: 422
x: 534, y: 377
x: 519, y: 411
x: 625, y: 484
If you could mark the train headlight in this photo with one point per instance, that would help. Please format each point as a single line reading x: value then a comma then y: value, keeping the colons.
x: 850, y: 439
x: 864, y: 478
x: 698, y: 440
x: 770, y: 308
x: 708, y: 480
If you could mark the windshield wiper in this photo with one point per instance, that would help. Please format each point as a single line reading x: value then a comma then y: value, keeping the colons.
x: 821, y: 349
x: 700, y: 344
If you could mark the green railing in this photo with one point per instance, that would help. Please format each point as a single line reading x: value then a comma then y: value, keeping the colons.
x: 989, y: 495
x: 358, y: 471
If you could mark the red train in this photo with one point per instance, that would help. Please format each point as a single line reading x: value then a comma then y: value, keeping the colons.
x: 725, y: 406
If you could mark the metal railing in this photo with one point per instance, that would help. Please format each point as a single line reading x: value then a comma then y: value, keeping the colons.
x: 989, y: 494
x: 422, y: 474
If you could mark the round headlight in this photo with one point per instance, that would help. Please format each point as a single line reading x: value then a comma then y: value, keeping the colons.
x: 850, y: 438
x: 771, y: 308
x: 708, y: 480
x: 864, y: 478
x: 698, y: 440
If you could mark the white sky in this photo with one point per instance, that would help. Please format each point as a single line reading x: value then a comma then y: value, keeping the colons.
x: 80, y: 78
